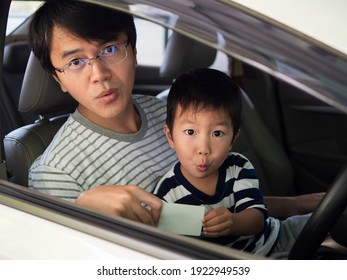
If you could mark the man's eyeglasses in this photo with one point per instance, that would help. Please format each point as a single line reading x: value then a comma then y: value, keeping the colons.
x: 111, y: 55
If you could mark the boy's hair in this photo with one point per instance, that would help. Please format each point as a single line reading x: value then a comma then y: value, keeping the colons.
x: 84, y: 20
x: 205, y: 88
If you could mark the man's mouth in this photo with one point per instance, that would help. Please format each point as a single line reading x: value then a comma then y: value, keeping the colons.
x: 108, y: 95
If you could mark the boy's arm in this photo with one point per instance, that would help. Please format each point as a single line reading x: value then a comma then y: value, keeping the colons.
x: 221, y: 222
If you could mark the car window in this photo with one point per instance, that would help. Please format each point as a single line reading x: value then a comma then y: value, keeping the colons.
x: 150, y: 42
x: 19, y: 12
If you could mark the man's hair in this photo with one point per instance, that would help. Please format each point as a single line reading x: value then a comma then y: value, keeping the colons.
x: 205, y: 88
x: 84, y: 20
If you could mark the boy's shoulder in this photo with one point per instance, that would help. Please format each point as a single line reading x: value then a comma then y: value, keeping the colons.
x: 235, y: 156
x: 239, y: 160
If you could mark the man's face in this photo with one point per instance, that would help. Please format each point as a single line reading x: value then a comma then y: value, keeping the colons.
x: 103, y: 91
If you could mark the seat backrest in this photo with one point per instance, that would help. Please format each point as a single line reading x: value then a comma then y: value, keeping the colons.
x: 16, y: 56
x: 273, y: 167
x: 182, y: 54
x: 42, y: 97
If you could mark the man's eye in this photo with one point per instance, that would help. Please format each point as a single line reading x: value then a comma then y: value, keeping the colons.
x: 218, y: 133
x: 109, y: 50
x: 189, y: 132
x: 76, y: 63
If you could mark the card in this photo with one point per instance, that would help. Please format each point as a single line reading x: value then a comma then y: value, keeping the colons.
x: 181, y: 219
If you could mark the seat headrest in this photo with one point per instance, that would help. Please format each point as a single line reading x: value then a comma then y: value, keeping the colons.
x: 40, y: 93
x: 183, y: 53
x: 16, y: 56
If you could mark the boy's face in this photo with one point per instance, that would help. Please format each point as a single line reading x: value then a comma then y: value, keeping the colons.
x: 103, y: 91
x: 202, y: 140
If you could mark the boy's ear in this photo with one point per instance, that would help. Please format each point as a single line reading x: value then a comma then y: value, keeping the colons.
x: 169, y: 136
x: 235, y: 137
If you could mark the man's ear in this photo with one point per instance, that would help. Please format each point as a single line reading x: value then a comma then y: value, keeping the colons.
x: 61, y: 85
x: 169, y: 136
x: 135, y: 54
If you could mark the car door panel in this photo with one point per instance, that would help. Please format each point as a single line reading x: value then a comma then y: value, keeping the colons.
x: 316, y: 137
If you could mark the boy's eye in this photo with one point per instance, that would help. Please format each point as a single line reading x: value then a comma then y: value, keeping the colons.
x: 189, y: 132
x: 218, y: 133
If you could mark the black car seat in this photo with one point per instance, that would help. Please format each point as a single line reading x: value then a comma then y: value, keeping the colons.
x: 273, y: 167
x: 42, y: 97
x: 15, y: 59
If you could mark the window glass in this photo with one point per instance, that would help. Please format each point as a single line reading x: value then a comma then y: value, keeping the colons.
x: 151, y: 40
x: 151, y: 37
x: 20, y: 11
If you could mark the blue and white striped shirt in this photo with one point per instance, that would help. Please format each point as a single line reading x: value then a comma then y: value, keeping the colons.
x: 237, y: 189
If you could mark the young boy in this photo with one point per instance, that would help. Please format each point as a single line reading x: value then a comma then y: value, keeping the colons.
x: 203, y: 122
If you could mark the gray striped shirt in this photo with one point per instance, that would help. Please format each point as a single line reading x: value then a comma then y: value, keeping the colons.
x: 83, y: 155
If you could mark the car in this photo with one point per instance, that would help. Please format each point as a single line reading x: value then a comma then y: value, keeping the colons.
x: 294, y: 126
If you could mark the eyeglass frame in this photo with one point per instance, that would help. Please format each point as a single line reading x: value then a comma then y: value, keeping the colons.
x: 89, y: 60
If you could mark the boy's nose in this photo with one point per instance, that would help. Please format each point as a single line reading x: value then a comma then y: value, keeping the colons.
x: 204, y: 147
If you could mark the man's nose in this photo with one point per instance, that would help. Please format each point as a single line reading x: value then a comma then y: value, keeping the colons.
x: 99, y: 70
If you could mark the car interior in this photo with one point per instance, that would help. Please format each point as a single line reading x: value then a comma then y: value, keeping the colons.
x: 287, y: 135
x: 292, y: 120
x: 42, y: 98
x: 14, y: 63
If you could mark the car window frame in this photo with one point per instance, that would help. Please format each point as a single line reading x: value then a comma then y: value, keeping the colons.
x: 76, y: 217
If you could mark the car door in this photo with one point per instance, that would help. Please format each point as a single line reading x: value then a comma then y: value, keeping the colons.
x: 316, y: 136
x: 313, y: 134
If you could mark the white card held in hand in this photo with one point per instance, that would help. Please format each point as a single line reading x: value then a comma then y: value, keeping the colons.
x: 181, y: 219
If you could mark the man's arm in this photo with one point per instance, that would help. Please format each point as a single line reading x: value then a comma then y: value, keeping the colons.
x: 129, y: 202
x: 286, y: 206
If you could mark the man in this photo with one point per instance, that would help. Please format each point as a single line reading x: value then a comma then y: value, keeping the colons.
x: 113, y: 138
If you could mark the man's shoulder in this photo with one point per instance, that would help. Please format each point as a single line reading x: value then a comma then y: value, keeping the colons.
x: 62, y: 138
x: 148, y: 99
x: 152, y: 107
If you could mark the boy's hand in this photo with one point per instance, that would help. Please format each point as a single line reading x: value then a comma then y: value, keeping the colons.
x: 217, y: 222
x: 221, y: 222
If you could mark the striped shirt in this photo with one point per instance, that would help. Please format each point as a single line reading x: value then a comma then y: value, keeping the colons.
x: 83, y: 155
x: 237, y: 189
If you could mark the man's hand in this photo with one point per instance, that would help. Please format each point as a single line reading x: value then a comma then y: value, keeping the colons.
x: 129, y: 202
